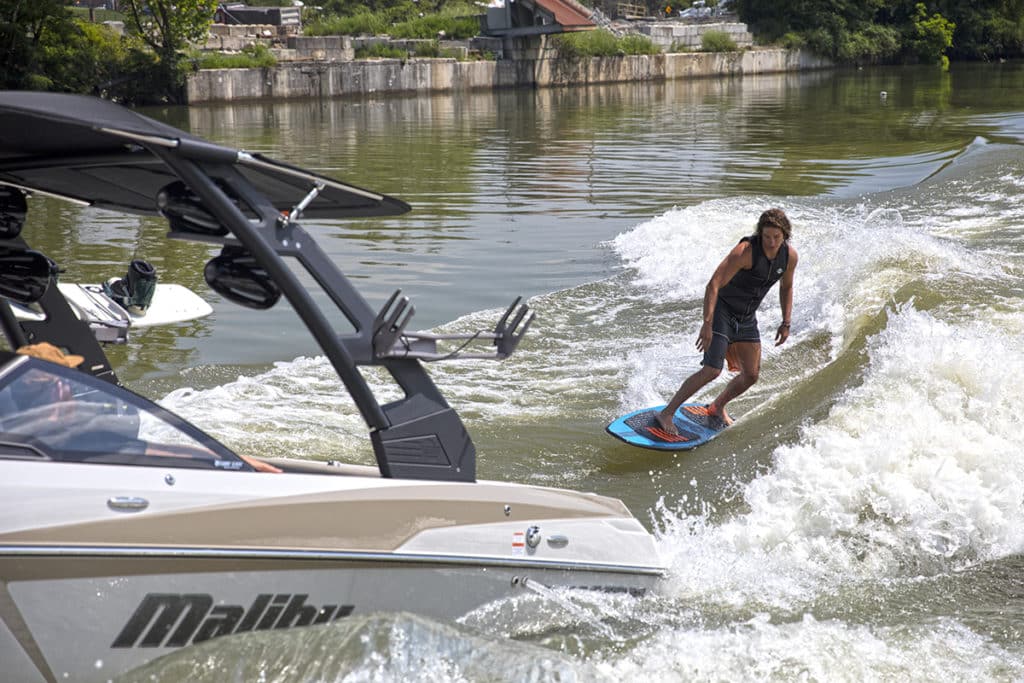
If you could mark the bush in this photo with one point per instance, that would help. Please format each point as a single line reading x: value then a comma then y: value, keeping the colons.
x: 455, y: 22
x: 451, y: 26
x: 101, y: 15
x: 80, y: 55
x: 598, y: 43
x: 635, y: 44
x: 820, y: 42
x: 601, y: 43
x: 792, y: 41
x: 873, y: 44
x: 381, y: 51
x: 930, y: 36
x: 363, y: 23
x: 252, y: 56
x: 717, y: 41
x: 90, y: 58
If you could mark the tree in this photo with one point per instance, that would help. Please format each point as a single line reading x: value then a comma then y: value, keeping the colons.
x: 985, y: 29
x: 887, y: 30
x: 930, y: 36
x: 23, y: 26
x: 168, y: 27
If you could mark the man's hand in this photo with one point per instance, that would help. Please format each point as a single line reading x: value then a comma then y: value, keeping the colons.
x: 704, y: 338
x: 259, y: 465
x: 782, y: 334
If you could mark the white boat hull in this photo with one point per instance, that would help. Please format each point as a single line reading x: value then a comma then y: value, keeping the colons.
x: 110, y: 623
x: 90, y: 584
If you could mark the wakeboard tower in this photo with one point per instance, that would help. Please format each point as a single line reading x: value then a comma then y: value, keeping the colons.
x: 250, y: 206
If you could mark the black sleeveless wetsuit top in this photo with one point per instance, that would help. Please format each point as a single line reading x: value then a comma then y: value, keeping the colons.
x: 744, y: 293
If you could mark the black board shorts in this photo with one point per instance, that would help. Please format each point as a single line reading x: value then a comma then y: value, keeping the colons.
x: 727, y: 328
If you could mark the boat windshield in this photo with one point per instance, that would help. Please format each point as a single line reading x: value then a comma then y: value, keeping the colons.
x: 56, y: 413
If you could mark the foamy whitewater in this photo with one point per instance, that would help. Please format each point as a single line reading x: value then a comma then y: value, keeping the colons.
x: 862, y: 521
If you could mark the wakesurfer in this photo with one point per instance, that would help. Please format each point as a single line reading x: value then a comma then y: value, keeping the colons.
x: 731, y: 299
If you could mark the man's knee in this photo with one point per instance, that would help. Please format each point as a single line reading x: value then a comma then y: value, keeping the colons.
x: 751, y: 376
x: 709, y: 373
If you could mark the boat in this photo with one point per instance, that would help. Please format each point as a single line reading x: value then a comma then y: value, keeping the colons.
x: 126, y: 532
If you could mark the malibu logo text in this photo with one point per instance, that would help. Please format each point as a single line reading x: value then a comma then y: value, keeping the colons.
x: 176, y: 620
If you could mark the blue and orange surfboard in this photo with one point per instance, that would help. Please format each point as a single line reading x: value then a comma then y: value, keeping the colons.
x: 693, y: 422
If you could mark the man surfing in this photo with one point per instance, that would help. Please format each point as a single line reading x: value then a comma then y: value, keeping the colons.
x: 731, y: 299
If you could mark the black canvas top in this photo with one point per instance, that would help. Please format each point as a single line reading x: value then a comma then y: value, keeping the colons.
x: 55, y: 142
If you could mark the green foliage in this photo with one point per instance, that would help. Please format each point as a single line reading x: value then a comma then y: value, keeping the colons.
x: 854, y: 31
x: 362, y: 23
x: 46, y: 46
x: 252, y: 56
x: 454, y: 22
x: 98, y: 15
x: 792, y: 41
x: 84, y: 57
x: 988, y: 32
x: 260, y: 54
x: 717, y: 41
x: 451, y: 26
x: 873, y: 44
x: 169, y: 27
x: 930, y: 36
x: 55, y: 51
x: 635, y: 44
x: 81, y: 55
x: 23, y: 28
x: 820, y: 41
x: 431, y: 49
x: 381, y: 51
x: 396, y: 9
x: 601, y: 43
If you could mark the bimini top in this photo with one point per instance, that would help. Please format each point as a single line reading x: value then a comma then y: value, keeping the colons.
x: 89, y: 150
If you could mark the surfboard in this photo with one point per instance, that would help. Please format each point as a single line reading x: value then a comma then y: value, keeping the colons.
x: 695, y: 425
x: 171, y: 303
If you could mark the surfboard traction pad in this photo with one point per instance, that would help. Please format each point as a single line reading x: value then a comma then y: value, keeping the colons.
x: 645, y: 425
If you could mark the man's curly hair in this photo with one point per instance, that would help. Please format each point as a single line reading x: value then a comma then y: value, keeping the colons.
x: 775, y: 218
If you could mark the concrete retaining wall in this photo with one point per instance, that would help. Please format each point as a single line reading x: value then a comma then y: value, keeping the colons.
x: 667, y: 34
x: 318, y: 49
x: 387, y: 76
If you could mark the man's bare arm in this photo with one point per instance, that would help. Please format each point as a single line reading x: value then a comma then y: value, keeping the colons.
x: 786, y: 298
x: 740, y: 258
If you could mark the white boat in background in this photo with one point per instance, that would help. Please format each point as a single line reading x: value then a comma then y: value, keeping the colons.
x: 126, y: 532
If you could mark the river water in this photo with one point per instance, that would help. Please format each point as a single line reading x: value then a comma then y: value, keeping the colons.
x: 864, y: 518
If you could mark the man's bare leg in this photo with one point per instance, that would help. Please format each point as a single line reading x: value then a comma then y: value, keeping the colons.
x: 748, y: 354
x: 691, y: 385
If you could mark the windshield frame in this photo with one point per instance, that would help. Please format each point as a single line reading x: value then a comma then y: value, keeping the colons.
x: 133, y: 451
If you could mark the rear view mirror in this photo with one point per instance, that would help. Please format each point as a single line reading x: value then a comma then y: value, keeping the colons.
x: 25, y: 274
x: 236, y: 276
x: 12, y: 212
